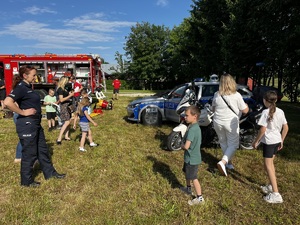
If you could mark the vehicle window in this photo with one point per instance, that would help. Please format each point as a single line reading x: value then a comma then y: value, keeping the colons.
x: 178, y: 93
x: 209, y: 90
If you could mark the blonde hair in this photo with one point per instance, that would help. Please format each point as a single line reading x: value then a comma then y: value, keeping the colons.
x: 227, y: 85
x: 84, y: 102
x: 62, y: 82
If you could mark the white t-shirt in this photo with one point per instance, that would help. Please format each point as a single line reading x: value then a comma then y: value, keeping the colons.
x: 274, y: 127
x: 223, y: 114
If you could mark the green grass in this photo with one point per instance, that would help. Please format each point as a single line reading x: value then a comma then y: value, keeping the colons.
x: 131, y: 179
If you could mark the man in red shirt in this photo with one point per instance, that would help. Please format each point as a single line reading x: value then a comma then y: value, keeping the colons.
x: 116, y: 84
x: 77, y: 87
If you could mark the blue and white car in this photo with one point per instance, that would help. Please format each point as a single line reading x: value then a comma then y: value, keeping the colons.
x: 154, y: 109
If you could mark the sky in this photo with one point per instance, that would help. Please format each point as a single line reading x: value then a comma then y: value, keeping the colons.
x: 81, y: 27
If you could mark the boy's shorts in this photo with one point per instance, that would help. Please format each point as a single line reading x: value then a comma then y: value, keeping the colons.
x: 191, y: 171
x: 270, y: 150
x: 84, y: 126
x: 50, y: 115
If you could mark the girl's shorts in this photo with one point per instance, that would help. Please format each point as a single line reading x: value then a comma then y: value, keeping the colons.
x: 84, y: 126
x: 270, y: 150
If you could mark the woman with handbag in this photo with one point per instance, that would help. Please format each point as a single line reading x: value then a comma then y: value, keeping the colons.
x: 228, y: 106
x: 64, y: 98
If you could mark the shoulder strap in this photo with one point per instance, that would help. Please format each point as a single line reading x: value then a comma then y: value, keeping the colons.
x: 228, y: 105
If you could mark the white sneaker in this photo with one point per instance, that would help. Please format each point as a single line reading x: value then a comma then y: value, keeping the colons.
x: 273, y: 198
x: 229, y: 166
x: 196, y: 201
x: 93, y: 144
x: 82, y: 149
x: 267, y: 189
x: 222, y: 168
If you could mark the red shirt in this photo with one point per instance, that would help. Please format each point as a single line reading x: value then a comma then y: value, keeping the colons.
x: 77, y: 91
x: 116, y: 83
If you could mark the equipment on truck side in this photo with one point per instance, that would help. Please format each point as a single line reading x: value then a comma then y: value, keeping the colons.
x: 50, y: 67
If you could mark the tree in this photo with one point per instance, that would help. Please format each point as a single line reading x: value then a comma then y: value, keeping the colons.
x: 146, y: 48
x: 208, y: 18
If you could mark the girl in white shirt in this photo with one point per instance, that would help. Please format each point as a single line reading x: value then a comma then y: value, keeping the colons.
x: 272, y: 133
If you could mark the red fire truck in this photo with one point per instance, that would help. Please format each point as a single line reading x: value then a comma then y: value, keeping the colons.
x: 50, y: 67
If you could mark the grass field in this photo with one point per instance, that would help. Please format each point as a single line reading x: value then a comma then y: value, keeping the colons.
x: 131, y: 179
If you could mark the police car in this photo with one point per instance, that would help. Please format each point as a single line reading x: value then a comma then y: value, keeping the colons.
x: 154, y: 109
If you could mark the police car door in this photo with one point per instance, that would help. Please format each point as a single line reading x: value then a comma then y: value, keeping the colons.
x: 172, y: 102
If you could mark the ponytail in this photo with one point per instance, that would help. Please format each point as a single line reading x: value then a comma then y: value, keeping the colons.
x: 271, y: 97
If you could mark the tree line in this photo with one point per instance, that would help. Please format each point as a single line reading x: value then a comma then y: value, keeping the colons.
x: 247, y: 38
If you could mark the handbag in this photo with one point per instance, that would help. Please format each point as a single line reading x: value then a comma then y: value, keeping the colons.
x: 228, y: 105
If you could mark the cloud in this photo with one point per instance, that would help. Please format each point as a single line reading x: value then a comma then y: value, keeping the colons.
x: 93, y: 22
x: 34, y: 10
x: 99, y: 47
x: 31, y: 30
x: 162, y: 3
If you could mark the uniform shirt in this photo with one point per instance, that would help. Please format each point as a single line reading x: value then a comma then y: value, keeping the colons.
x: 193, y: 154
x: 274, y: 127
x: 83, y: 118
x: 116, y: 83
x: 26, y: 97
x: 223, y: 113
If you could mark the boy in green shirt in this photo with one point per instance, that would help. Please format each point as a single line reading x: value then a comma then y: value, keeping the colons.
x: 50, y: 110
x: 192, y: 154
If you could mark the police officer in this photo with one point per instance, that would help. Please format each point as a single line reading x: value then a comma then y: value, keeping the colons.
x: 29, y: 129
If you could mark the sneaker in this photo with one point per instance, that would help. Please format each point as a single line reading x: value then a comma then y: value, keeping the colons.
x: 93, y: 144
x: 267, y: 189
x: 196, y: 201
x: 229, y: 166
x: 186, y: 190
x: 222, y: 168
x: 273, y: 198
x: 82, y: 149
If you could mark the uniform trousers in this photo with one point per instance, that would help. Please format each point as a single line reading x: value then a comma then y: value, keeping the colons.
x: 34, y: 147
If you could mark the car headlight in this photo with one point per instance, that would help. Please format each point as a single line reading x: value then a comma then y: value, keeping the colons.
x: 133, y: 106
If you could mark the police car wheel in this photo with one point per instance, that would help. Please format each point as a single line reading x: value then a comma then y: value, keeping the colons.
x: 174, y: 141
x: 151, y: 118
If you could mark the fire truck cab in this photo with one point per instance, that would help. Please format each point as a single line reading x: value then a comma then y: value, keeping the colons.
x: 50, y: 67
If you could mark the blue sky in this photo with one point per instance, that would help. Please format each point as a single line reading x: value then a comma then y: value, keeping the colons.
x: 77, y: 27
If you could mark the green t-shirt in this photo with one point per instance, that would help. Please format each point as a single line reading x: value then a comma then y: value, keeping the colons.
x: 193, y: 154
x: 48, y: 98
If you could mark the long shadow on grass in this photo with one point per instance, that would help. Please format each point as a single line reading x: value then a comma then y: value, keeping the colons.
x: 164, y: 170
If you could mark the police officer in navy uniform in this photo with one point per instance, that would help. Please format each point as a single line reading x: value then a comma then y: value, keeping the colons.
x: 29, y: 129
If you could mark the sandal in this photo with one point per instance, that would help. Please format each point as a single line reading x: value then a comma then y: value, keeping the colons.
x: 68, y: 139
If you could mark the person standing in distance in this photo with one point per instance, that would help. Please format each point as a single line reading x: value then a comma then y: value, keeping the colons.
x: 228, y: 106
x: 29, y: 129
x: 116, y: 84
x: 273, y: 130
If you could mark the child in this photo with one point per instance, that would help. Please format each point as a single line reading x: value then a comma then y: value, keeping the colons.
x: 82, y: 113
x: 272, y: 133
x: 192, y: 154
x: 84, y: 93
x: 50, y: 110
